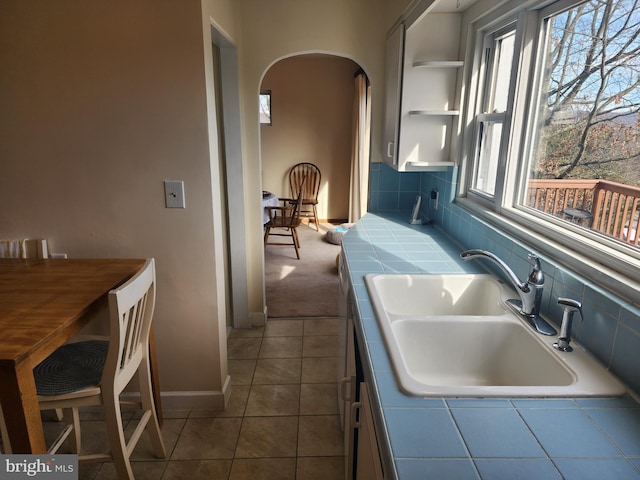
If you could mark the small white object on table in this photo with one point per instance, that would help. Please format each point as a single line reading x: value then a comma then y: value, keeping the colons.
x: 268, y: 200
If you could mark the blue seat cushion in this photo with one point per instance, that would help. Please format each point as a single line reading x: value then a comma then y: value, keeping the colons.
x: 72, y: 367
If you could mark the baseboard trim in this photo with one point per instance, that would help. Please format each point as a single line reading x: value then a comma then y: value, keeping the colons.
x: 195, y: 400
x: 259, y: 319
x: 307, y: 221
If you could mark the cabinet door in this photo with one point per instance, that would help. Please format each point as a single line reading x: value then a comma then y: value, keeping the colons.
x: 369, y: 465
x: 393, y: 92
x: 347, y: 396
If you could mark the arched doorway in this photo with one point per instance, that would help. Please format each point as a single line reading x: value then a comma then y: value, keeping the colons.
x: 312, y: 110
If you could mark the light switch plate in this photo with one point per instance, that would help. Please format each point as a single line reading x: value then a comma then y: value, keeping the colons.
x: 174, y: 193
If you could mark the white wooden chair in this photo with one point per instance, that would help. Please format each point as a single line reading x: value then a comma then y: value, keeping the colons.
x: 24, y: 248
x: 96, y: 371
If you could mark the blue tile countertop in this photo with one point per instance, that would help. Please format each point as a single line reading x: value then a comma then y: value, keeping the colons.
x: 475, y: 438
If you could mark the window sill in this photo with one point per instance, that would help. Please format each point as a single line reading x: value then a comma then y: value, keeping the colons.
x: 600, y: 264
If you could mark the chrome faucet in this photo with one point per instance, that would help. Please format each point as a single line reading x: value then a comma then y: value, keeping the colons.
x: 569, y: 307
x: 530, y: 292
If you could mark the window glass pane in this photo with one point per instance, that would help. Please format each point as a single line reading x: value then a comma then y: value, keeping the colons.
x: 265, y: 107
x: 502, y: 75
x: 490, y: 134
x: 585, y: 164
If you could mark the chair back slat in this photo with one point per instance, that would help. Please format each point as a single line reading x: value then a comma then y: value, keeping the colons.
x: 24, y: 248
x: 131, y: 309
x: 308, y: 176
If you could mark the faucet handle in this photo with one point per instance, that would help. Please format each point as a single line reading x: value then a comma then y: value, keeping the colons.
x: 536, y: 276
x: 570, y: 305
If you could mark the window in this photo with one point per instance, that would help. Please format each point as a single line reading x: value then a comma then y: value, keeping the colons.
x: 584, y: 162
x: 556, y: 126
x: 499, y: 49
x: 265, y: 107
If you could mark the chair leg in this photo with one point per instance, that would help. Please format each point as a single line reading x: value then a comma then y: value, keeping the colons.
x: 148, y: 404
x: 6, y: 446
x: 315, y: 218
x: 115, y: 432
x: 296, y: 241
x: 71, y: 417
x: 266, y: 235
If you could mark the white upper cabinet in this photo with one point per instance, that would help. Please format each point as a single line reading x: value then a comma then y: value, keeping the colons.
x: 392, y: 94
x: 428, y: 118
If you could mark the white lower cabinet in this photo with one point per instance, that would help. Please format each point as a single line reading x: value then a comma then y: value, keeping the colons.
x: 347, y: 397
x: 368, y: 462
x: 362, y: 456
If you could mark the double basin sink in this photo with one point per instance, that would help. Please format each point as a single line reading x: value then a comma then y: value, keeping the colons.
x: 455, y: 335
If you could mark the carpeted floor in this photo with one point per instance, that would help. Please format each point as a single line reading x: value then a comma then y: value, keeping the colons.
x: 308, y: 287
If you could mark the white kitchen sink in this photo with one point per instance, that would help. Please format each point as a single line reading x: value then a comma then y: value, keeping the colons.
x: 428, y: 295
x: 453, y: 335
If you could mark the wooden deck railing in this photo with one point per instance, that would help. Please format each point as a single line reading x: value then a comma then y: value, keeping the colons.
x: 610, y: 208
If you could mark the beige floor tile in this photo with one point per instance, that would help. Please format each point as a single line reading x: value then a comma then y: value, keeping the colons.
x: 320, y: 436
x: 321, y: 346
x: 281, y: 347
x: 171, y: 430
x: 323, y: 326
x: 198, y: 470
x: 246, y: 332
x: 207, y: 439
x: 264, y: 469
x: 235, y: 407
x: 271, y: 371
x: 320, y: 370
x: 243, y: 348
x: 319, y: 399
x: 265, y: 437
x: 320, y: 468
x: 176, y: 413
x: 94, y: 437
x: 88, y: 471
x: 241, y: 371
x: 284, y: 328
x: 273, y: 400
x: 141, y: 471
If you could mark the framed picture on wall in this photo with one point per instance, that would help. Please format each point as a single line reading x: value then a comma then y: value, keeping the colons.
x: 265, y: 107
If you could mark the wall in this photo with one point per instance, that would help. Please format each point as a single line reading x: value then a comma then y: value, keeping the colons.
x: 278, y: 29
x: 101, y: 102
x: 312, y: 106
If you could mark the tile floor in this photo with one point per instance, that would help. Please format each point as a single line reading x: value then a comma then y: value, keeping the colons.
x: 282, y: 421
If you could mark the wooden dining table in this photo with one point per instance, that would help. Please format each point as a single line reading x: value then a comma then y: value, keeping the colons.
x: 43, y: 303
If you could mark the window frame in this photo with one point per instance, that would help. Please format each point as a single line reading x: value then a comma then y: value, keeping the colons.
x: 589, y: 253
x: 491, y: 53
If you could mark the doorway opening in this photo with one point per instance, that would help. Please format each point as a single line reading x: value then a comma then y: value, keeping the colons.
x: 312, y: 112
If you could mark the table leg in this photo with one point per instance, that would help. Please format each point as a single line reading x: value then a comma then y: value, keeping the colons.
x: 21, y: 410
x: 155, y: 382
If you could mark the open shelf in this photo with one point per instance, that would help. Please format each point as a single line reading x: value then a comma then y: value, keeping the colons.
x: 438, y: 64
x: 439, y: 113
